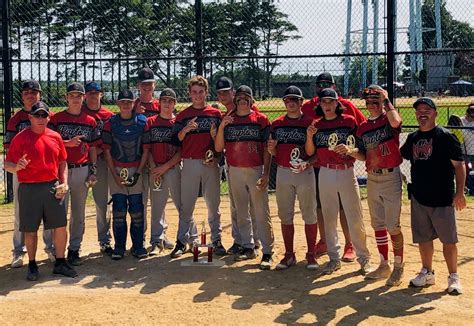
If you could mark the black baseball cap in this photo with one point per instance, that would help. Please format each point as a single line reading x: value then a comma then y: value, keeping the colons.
x: 93, y: 87
x: 224, y: 84
x: 168, y: 92
x: 146, y: 75
x: 31, y: 85
x: 126, y: 95
x: 328, y: 93
x: 325, y: 77
x: 425, y: 100
x: 245, y: 90
x: 293, y: 91
x: 75, y: 88
x: 39, y: 106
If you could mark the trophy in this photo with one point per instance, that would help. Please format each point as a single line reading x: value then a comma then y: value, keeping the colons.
x: 332, y: 141
x: 210, y: 251
x: 157, y: 184
x: 209, y: 156
x: 124, y: 175
x: 350, y: 142
x: 296, y: 163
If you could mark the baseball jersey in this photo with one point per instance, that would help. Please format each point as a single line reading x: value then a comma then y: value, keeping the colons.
x: 198, y: 141
x: 432, y: 172
x: 245, y: 139
x: 343, y: 126
x: 290, y: 133
x: 151, y: 108
x: 44, y: 151
x: 17, y: 123
x: 380, y: 142
x: 101, y: 116
x: 124, y: 139
x: 309, y: 109
x: 158, y: 138
x: 69, y: 126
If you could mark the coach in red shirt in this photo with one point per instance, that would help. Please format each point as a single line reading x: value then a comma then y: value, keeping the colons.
x: 38, y: 156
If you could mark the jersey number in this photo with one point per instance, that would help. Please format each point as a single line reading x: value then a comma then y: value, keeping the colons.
x: 384, y: 150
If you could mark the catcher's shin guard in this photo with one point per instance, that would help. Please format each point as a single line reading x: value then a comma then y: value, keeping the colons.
x: 119, y: 220
x: 135, y: 208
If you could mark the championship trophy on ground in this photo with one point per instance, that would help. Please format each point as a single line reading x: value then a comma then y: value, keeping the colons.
x: 210, y: 251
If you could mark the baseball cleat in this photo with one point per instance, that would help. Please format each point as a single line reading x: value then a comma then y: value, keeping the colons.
x: 383, y: 271
x: 51, y: 255
x: 73, y: 258
x: 63, y: 268
x: 117, y: 254
x: 365, y: 266
x: 246, y: 254
x: 178, y: 250
x: 454, y: 284
x: 155, y: 249
x: 287, y: 261
x: 234, y: 249
x: 312, y: 264
x: 139, y: 253
x: 331, y: 267
x: 423, y: 278
x: 106, y: 248
x: 349, y: 253
x: 219, y: 249
x: 396, y: 277
x: 17, y: 260
x: 33, y: 272
x: 266, y: 262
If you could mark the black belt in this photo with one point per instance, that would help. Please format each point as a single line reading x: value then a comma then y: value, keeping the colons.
x: 73, y: 166
x: 382, y: 171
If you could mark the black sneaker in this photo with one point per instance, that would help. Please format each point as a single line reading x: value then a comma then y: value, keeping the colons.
x: 235, y: 249
x: 33, y: 272
x: 266, y: 262
x: 139, y: 253
x: 73, y: 258
x: 246, y: 254
x: 219, y: 249
x: 178, y: 250
x: 117, y: 254
x: 63, y: 268
x: 106, y: 248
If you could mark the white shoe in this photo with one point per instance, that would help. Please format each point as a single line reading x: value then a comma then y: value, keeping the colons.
x: 51, y: 255
x: 423, y: 278
x: 454, y: 284
x: 17, y: 261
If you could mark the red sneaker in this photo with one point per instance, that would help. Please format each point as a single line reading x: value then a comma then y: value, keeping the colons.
x: 320, y: 249
x: 349, y: 253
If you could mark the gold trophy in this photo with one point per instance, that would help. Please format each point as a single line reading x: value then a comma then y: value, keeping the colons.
x: 124, y: 175
x: 157, y: 184
x: 332, y: 141
x: 209, y: 156
x: 350, y: 142
x: 295, y: 156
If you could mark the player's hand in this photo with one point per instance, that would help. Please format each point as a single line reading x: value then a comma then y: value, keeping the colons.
x: 311, y: 130
x: 118, y: 180
x: 158, y: 171
x: 383, y: 94
x: 75, y: 141
x: 133, y: 180
x: 140, y: 110
x: 262, y: 183
x: 22, y: 163
x: 226, y: 121
x: 191, y: 125
x: 213, y: 131
x: 212, y: 163
x: 271, y: 145
x: 61, y: 191
x: 342, y: 149
x: 91, y: 180
x: 459, y: 201
x: 300, y: 167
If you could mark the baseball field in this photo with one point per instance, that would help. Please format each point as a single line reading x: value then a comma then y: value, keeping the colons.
x: 158, y: 290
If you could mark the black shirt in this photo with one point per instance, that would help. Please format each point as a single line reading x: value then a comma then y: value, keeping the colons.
x: 432, y: 172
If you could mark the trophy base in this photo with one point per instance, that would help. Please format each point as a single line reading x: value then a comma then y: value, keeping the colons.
x: 203, y: 262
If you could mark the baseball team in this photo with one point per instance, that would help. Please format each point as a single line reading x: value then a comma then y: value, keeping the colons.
x: 146, y: 152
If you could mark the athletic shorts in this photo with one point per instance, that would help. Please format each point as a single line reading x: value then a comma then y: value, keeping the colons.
x: 429, y: 223
x: 37, y: 202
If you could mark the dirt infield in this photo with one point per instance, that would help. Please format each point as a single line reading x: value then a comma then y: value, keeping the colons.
x: 157, y: 290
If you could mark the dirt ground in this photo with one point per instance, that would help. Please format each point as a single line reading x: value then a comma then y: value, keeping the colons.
x: 160, y: 290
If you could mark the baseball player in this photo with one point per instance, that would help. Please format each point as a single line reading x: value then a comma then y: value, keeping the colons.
x: 30, y: 94
x: 193, y: 128
x: 122, y: 143
x: 165, y: 170
x: 379, y: 147
x: 79, y: 133
x: 326, y: 80
x: 436, y: 158
x: 100, y: 191
x: 295, y: 177
x: 225, y: 95
x: 243, y: 134
x: 38, y: 157
x: 327, y: 138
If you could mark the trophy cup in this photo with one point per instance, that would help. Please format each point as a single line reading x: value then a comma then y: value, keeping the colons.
x: 350, y: 142
x: 157, y: 182
x: 210, y: 252
x: 332, y: 141
x: 124, y: 175
x: 209, y: 156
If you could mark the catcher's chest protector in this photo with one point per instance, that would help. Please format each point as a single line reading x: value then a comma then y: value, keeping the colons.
x: 127, y: 138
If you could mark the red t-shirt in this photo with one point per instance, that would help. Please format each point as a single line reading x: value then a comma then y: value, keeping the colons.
x: 344, y: 125
x: 44, y: 151
x: 309, y: 109
x: 159, y: 139
x: 197, y: 142
x: 151, y: 108
x: 380, y: 142
x: 245, y: 139
x: 69, y: 126
x: 290, y: 133
x: 17, y: 123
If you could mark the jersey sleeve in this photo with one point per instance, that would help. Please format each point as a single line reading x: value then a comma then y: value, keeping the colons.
x: 14, y: 151
x: 454, y: 147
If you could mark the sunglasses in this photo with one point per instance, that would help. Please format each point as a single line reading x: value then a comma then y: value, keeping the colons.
x: 40, y: 115
x: 370, y: 92
x: 324, y: 84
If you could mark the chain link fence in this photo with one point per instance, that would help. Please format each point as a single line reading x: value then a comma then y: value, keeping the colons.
x: 265, y: 44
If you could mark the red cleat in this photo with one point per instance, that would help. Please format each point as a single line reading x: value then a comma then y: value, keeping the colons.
x: 349, y: 253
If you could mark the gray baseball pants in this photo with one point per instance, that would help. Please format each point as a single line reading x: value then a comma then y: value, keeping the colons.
x: 100, y: 192
x: 78, y: 195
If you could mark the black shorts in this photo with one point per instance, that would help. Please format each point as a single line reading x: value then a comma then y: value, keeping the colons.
x: 37, y: 202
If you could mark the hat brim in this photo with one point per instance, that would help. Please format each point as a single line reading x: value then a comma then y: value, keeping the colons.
x: 93, y: 90
x: 166, y: 96
x: 80, y: 92
x: 293, y: 96
x: 223, y: 89
x: 147, y: 81
x: 329, y: 97
x: 416, y: 104
x: 37, y: 110
x: 126, y: 99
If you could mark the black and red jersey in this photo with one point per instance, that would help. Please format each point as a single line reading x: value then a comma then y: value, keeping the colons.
x: 17, y: 123
x: 309, y: 109
x: 101, y: 116
x: 151, y: 108
x: 158, y: 138
x: 290, y: 133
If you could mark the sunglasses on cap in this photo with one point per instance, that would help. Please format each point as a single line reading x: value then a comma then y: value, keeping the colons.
x: 324, y: 84
x: 43, y: 115
x: 370, y: 92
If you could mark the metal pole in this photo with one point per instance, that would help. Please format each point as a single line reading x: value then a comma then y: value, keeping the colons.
x: 391, y: 16
x: 375, y: 62
x: 347, y: 59
x: 419, y: 36
x: 439, y: 41
x: 412, y: 40
x: 7, y: 83
x: 199, y: 51
x: 365, y: 31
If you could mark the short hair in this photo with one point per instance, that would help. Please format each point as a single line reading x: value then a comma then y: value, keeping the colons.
x: 320, y: 113
x: 200, y: 81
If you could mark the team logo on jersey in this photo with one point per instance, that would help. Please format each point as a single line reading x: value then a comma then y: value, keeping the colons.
x: 68, y: 131
x: 205, y: 124
x: 22, y: 125
x: 423, y: 149
x: 161, y: 134
x: 238, y: 133
x: 373, y: 139
x: 290, y: 135
x: 330, y: 139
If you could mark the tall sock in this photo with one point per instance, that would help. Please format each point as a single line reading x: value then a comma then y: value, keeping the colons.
x: 311, y: 231
x: 381, y: 237
x: 288, y: 232
x: 397, y: 244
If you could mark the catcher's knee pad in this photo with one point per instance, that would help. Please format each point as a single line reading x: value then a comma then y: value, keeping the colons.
x: 119, y: 206
x: 135, y: 205
x: 397, y: 240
